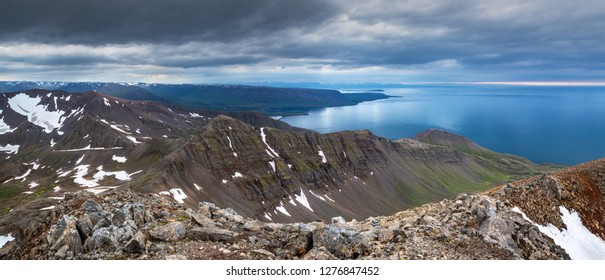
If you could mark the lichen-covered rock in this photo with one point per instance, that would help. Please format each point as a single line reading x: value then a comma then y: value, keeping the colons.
x: 169, y: 232
x: 319, y: 253
x: 136, y: 245
x: 342, y: 242
x: 64, y: 237
x: 211, y: 234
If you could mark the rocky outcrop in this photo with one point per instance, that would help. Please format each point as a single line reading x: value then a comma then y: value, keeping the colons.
x: 123, y: 224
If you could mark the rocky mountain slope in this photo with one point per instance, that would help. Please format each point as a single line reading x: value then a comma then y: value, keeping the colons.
x: 521, y: 220
x: 56, y: 142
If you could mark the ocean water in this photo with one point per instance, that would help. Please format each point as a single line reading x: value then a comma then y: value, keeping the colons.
x: 563, y: 125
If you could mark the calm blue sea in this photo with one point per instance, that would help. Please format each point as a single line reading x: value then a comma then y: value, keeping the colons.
x: 564, y: 125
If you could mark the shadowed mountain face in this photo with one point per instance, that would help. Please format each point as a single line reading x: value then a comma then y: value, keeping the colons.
x: 56, y: 142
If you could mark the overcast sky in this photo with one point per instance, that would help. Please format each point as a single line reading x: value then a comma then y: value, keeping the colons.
x: 366, y: 41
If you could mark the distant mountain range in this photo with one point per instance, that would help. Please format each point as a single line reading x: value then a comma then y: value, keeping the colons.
x: 272, y: 100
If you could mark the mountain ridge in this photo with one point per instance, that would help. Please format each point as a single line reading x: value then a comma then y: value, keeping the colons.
x: 223, y: 97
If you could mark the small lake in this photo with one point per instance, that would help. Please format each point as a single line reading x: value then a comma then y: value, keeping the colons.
x: 564, y: 125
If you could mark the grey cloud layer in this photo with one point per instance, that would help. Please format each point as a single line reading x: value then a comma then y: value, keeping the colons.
x: 132, y: 21
x: 475, y: 34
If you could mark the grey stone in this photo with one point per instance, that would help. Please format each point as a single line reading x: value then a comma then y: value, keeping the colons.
x: 319, y: 253
x: 263, y: 253
x: 207, y: 208
x: 136, y: 245
x: 102, y: 223
x: 211, y: 234
x: 65, y: 233
x: 138, y: 214
x: 84, y: 226
x: 229, y: 214
x: 299, y: 243
x: 94, y: 211
x: 338, y: 220
x: 91, y: 206
x: 169, y: 232
x: 343, y: 243
x: 252, y: 226
x: 126, y: 232
x: 202, y: 219
x: 119, y: 216
x: 102, y: 239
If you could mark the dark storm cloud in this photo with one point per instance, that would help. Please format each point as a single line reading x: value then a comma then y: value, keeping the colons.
x: 512, y: 36
x: 126, y: 21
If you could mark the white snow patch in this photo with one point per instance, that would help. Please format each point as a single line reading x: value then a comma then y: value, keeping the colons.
x: 264, y: 137
x: 133, y: 139
x: 80, y: 160
x: 290, y: 166
x: 48, y: 208
x: 237, y: 175
x: 114, y: 127
x: 197, y: 187
x: 178, y: 195
x: 302, y: 199
x: 225, y: 181
x: 106, y: 102
x: 281, y: 208
x: 329, y: 198
x: 344, y: 153
x: 98, y: 190
x: 577, y: 240
x: 118, y: 158
x: 292, y: 201
x: 88, y: 148
x: 196, y: 115
x: 24, y: 175
x: 56, y: 197
x: 120, y: 175
x: 82, y: 170
x: 231, y: 146
x: 10, y: 149
x: 272, y: 163
x: 323, y: 157
x: 5, y: 128
x: 138, y: 131
x: 372, y: 173
x: 57, y: 188
x: 28, y: 192
x: 37, y: 114
x: 52, y: 142
x: 318, y: 196
x: 68, y: 98
x: 33, y: 185
x: 5, y: 239
x: 267, y: 217
x: 165, y: 136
